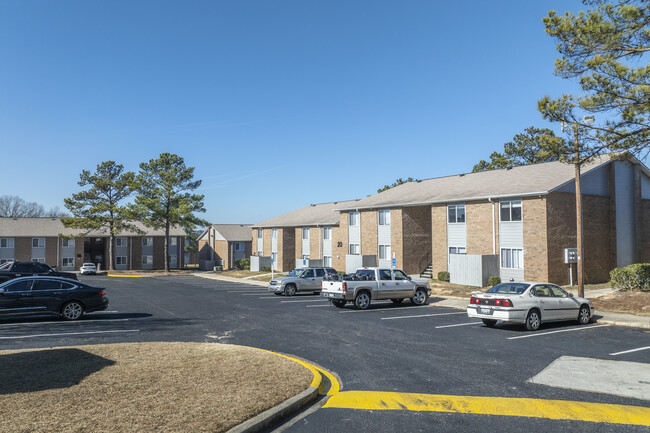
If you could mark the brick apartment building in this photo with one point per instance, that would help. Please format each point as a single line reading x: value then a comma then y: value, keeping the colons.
x: 46, y: 240
x: 525, y: 215
x: 307, y: 235
x: 224, y: 244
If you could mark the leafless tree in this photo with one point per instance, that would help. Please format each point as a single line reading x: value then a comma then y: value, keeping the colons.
x: 12, y: 206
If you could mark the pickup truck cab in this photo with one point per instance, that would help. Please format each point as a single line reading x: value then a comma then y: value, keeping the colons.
x: 14, y: 269
x: 368, y: 284
x: 299, y: 280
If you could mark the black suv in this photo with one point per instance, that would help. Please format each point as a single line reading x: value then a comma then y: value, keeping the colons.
x: 14, y: 269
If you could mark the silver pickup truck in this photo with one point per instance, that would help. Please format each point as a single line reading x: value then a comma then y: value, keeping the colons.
x: 369, y: 284
x: 299, y: 280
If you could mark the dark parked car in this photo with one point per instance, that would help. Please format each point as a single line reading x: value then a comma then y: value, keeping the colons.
x: 14, y: 269
x: 51, y: 295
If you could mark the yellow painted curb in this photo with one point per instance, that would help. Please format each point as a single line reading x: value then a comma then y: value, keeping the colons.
x: 318, y: 372
x: 123, y: 276
x: 523, y: 407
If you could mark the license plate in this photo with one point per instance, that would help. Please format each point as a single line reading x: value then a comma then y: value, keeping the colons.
x: 328, y: 295
x: 485, y: 311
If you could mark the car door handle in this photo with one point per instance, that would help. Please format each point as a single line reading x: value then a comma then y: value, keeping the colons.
x: 26, y: 294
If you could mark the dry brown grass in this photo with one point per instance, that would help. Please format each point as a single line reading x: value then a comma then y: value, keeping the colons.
x: 241, y: 274
x: 624, y: 302
x: 142, y: 387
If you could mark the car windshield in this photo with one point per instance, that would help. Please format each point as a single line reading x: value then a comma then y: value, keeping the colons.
x: 6, y: 265
x: 509, y: 288
x: 295, y: 273
x: 89, y: 264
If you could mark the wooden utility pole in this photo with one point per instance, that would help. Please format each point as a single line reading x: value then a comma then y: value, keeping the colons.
x: 579, y: 264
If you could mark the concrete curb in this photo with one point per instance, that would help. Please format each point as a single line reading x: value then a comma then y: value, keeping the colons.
x: 268, y: 417
x: 232, y: 280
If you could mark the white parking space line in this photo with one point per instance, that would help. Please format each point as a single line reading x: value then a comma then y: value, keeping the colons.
x: 60, y: 322
x: 630, y: 351
x: 421, y: 315
x: 306, y: 300
x: 269, y: 297
x: 379, y: 310
x: 582, y: 328
x: 246, y: 291
x: 314, y: 306
x: 17, y: 337
x: 250, y: 294
x: 459, y: 324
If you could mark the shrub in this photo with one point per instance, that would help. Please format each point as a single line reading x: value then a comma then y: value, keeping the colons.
x: 632, y: 277
x: 243, y: 264
x: 493, y: 281
x: 266, y: 269
x: 443, y: 276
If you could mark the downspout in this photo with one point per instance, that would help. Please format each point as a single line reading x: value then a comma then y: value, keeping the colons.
x: 58, y: 248
x: 494, y: 234
x: 131, y: 252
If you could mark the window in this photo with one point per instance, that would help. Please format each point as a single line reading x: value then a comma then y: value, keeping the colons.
x: 320, y: 272
x: 354, y: 248
x: 384, y: 274
x: 353, y: 219
x: 68, y: 262
x: 327, y: 233
x: 38, y: 243
x: 305, y: 233
x: 399, y: 275
x: 384, y: 252
x: 121, y: 260
x: 147, y: 241
x: 510, y: 210
x: 558, y: 292
x: 239, y: 246
x: 309, y: 273
x: 47, y: 285
x: 173, y: 241
x: 456, y: 250
x: 456, y: 213
x: 512, y: 258
x: 173, y: 258
x: 120, y: 242
x: 259, y: 233
x: 305, y: 256
x: 38, y: 260
x: 67, y: 242
x: 19, y: 286
x: 41, y: 268
x: 7, y: 243
x: 147, y: 260
x: 274, y: 233
x: 384, y: 217
x: 327, y: 260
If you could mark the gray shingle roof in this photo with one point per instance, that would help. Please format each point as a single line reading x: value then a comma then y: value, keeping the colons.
x: 518, y: 181
x: 234, y: 232
x: 47, y: 227
x: 312, y: 215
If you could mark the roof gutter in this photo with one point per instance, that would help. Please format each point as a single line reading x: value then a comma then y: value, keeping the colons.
x: 454, y: 200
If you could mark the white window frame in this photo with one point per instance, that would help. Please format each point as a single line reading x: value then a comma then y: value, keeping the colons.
x: 120, y: 260
x: 173, y: 241
x: 509, y: 205
x: 353, y: 219
x: 65, y: 242
x: 9, y: 242
x: 274, y: 233
x: 457, y: 250
x: 384, y: 252
x: 327, y: 233
x: 512, y: 258
x: 147, y: 260
x: 173, y: 259
x: 239, y: 246
x: 305, y: 233
x: 383, y: 217
x: 147, y: 241
x: 327, y: 261
x: 353, y: 249
x: 69, y: 260
x: 120, y: 241
x: 456, y: 207
x: 38, y: 242
x: 38, y: 260
x: 305, y: 256
x: 259, y: 234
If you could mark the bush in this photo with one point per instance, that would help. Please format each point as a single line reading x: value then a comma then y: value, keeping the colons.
x: 632, y: 277
x: 266, y: 269
x: 443, y: 276
x: 493, y: 281
x: 243, y: 264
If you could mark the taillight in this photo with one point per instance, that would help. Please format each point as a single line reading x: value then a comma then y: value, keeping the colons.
x: 473, y: 301
x: 507, y: 303
x: 102, y: 293
x: 497, y: 302
x: 345, y: 286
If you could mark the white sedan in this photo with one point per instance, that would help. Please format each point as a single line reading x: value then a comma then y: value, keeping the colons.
x: 87, y: 268
x: 529, y: 304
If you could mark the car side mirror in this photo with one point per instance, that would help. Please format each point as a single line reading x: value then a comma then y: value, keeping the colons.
x: 408, y: 278
x: 2, y: 291
x: 570, y: 295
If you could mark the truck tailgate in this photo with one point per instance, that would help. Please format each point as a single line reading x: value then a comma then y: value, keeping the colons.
x: 331, y: 289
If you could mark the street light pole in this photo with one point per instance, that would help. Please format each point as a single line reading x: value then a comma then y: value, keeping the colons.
x: 580, y: 262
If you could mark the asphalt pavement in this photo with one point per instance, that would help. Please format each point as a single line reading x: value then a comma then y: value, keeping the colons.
x: 433, y: 350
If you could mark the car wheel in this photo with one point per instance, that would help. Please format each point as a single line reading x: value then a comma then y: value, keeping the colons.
x: 583, y: 315
x: 397, y: 301
x: 290, y: 290
x: 420, y: 297
x: 338, y: 303
x: 72, y: 310
x: 533, y: 320
x: 362, y: 301
x: 489, y: 322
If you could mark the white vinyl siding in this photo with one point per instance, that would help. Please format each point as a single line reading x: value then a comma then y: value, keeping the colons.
x: 625, y: 213
x: 327, y: 243
x: 260, y: 242
x: 354, y: 233
x: 122, y: 251
x: 6, y: 249
x: 456, y: 229
x: 383, y: 239
x: 38, y: 250
x: 67, y: 254
x: 327, y: 261
x: 274, y: 244
x: 305, y: 241
x: 511, y: 237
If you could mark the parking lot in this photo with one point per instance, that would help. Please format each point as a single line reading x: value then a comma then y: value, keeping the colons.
x: 401, y: 348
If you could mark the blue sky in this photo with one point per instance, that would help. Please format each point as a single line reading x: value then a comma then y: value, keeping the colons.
x: 278, y: 104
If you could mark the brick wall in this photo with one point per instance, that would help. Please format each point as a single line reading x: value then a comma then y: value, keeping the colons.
x: 78, y: 252
x: 439, y: 238
x: 535, y: 239
x: 137, y: 251
x: 315, y: 243
x: 643, y: 237
x: 599, y: 257
x: 254, y: 243
x: 159, y: 252
x: 297, y: 237
x: 266, y: 240
x: 286, y: 249
x: 22, y: 249
x: 204, y: 249
x: 416, y: 229
x: 340, y: 242
x: 221, y: 253
x: 369, y: 232
x: 479, y: 229
x: 50, y: 251
x: 397, y: 236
